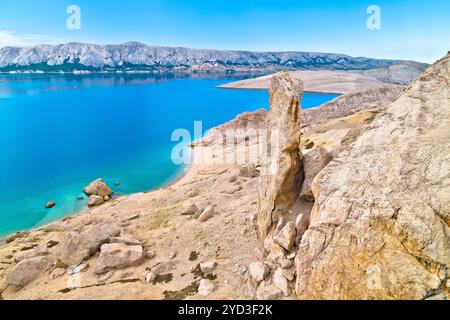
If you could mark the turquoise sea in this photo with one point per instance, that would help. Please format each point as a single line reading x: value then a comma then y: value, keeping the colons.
x: 60, y: 132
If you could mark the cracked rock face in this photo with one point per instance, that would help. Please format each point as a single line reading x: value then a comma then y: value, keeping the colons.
x: 380, y: 225
x: 281, y: 165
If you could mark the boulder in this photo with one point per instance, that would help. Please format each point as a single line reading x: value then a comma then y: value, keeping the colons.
x: 28, y: 270
x: 281, y: 167
x: 207, y: 214
x: 95, y: 201
x: 206, y: 287
x: 118, y: 256
x: 286, y: 237
x: 313, y: 162
x: 258, y: 271
x: 98, y: 188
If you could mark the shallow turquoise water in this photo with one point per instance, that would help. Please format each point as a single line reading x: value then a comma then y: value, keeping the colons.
x: 58, y: 133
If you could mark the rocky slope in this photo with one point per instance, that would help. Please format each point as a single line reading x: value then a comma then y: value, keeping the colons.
x: 135, y: 56
x: 380, y: 226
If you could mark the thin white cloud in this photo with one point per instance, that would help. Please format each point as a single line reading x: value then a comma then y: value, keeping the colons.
x: 14, y: 39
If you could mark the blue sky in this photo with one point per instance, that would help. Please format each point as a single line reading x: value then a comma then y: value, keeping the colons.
x: 410, y: 29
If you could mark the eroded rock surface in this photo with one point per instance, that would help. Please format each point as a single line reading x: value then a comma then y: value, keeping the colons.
x: 380, y: 225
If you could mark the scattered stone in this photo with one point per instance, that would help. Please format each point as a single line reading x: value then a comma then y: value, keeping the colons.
x: 206, y: 287
x: 173, y: 255
x: 118, y: 256
x: 57, y: 273
x: 52, y: 243
x: 208, y: 267
x: 249, y: 171
x: 286, y: 263
x: 207, y: 214
x: 98, y: 188
x: 150, y: 254
x: 95, y: 201
x: 286, y: 237
x: 28, y: 270
x: 16, y: 236
x: 267, y: 291
x: 280, y: 281
x: 50, y: 204
x: 106, y: 277
x: 258, y: 271
x: 190, y: 211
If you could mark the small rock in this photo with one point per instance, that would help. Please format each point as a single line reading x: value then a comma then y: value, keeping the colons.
x: 206, y: 287
x: 16, y: 236
x: 207, y: 214
x: 280, y: 281
x: 57, y: 273
x: 106, y: 198
x: 268, y: 291
x: 50, y: 204
x: 258, y: 271
x: 301, y: 225
x: 149, y: 277
x: 190, y: 211
x: 289, y: 275
x: 233, y: 178
x: 95, y: 201
x: 208, y: 267
x: 98, y: 188
x: 118, y: 256
x: 291, y: 256
x: 105, y: 277
x: 286, y: 237
x: 150, y: 254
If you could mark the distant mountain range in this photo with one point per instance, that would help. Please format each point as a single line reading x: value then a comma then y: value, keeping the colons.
x: 138, y: 57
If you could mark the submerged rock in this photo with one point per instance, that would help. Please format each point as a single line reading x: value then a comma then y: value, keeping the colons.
x: 50, y: 205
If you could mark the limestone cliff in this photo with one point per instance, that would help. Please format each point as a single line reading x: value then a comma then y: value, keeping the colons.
x: 380, y: 227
